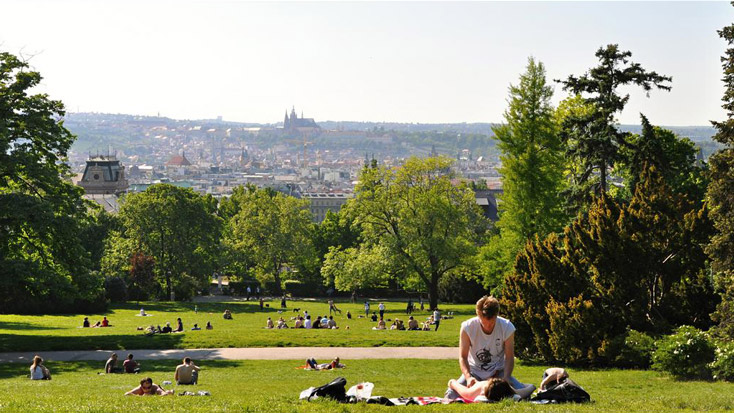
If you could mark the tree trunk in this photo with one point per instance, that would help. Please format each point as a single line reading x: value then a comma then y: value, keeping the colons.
x: 433, y: 293
x: 603, y: 178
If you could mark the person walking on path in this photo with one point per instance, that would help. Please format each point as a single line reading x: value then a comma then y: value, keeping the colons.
x: 409, y: 307
x: 249, y: 291
x: 436, y: 318
x: 282, y: 302
x: 422, y: 307
x: 486, y: 347
x: 366, y: 308
x: 381, y: 307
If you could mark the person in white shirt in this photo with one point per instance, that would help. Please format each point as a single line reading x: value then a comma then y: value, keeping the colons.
x: 487, y: 347
x: 307, y: 323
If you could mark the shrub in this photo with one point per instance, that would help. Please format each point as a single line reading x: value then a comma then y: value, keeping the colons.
x: 455, y: 288
x: 635, y: 351
x: 723, y: 365
x: 298, y: 288
x: 684, y: 354
x: 115, y: 289
x: 185, y: 287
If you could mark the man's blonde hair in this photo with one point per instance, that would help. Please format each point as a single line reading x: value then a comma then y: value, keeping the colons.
x: 488, y: 306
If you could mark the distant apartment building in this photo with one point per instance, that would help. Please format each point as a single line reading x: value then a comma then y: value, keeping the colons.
x: 321, y: 202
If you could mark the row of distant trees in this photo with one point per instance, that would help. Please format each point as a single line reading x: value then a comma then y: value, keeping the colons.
x: 600, y: 231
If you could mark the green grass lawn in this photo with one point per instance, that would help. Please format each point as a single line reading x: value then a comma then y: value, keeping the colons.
x: 265, y: 386
x: 63, y: 332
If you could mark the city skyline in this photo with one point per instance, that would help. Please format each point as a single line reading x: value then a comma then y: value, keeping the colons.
x: 380, y: 62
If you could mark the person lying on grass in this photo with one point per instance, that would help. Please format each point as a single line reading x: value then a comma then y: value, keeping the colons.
x: 147, y: 388
x: 494, y: 389
x: 312, y: 364
x: 38, y: 370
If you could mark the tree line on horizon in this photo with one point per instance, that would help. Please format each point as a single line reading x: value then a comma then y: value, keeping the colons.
x: 602, y: 233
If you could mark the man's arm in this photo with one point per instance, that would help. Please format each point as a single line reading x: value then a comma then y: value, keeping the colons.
x: 509, y: 356
x: 175, y: 375
x: 464, y: 345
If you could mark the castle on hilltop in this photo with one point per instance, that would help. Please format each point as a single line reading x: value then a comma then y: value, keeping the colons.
x: 293, y: 124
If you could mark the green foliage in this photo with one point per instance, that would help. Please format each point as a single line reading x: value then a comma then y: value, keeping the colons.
x: 424, y: 224
x: 720, y: 197
x: 595, y: 142
x: 532, y: 173
x: 635, y: 350
x: 673, y: 157
x: 722, y: 367
x: 272, y: 231
x: 638, y: 266
x: 458, y: 288
x: 43, y: 264
x: 358, y: 268
x: 685, y: 354
x: 176, y: 228
x: 115, y: 289
x: 298, y: 288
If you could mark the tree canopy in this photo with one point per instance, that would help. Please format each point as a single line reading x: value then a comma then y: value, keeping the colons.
x: 43, y: 264
x: 594, y: 139
x: 426, y: 225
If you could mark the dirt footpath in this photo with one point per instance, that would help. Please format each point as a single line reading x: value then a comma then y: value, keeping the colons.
x: 269, y: 353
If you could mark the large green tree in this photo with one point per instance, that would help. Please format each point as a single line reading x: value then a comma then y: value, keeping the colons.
x: 272, y: 231
x: 594, y: 139
x: 175, y: 226
x: 639, y: 265
x: 720, y: 197
x: 532, y: 171
x: 43, y: 265
x: 426, y: 225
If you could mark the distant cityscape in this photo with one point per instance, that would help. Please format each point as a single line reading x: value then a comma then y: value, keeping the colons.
x: 116, y: 154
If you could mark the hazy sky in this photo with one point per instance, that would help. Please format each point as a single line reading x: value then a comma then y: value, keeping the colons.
x: 404, y: 62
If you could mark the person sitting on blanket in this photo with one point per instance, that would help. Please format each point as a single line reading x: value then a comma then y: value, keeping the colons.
x: 412, y: 324
x: 269, y: 324
x: 552, y: 376
x: 494, y: 389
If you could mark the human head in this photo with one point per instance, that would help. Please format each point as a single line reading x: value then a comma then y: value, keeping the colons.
x: 498, y: 389
x: 37, y: 360
x: 104, y: 318
x: 488, y: 307
x: 130, y: 356
x: 146, y: 384
x: 196, y: 325
x: 178, y: 319
x: 187, y: 360
x: 114, y: 356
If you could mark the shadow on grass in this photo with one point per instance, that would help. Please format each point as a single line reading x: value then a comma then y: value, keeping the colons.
x: 14, y: 325
x: 148, y: 367
x: 20, y: 342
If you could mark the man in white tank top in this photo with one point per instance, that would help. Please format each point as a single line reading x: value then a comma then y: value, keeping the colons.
x: 486, y: 346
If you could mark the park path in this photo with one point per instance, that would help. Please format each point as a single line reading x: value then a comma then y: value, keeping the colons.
x: 259, y: 353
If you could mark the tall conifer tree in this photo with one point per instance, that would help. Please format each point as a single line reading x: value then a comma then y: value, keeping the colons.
x: 721, y: 197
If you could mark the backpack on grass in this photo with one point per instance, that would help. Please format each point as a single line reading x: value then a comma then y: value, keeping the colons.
x: 565, y: 391
x: 335, y: 389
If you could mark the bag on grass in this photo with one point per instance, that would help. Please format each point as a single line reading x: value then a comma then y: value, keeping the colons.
x: 335, y: 389
x: 565, y: 391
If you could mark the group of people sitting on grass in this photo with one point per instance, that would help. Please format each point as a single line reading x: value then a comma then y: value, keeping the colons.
x: 186, y: 373
x: 303, y: 322
x: 128, y: 366
x: 101, y: 323
x: 151, y: 330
